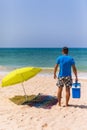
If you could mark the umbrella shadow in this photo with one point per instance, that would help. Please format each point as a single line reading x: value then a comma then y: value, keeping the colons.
x: 42, y: 101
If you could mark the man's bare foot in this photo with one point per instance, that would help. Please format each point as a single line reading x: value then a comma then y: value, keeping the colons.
x: 67, y: 105
x: 59, y: 104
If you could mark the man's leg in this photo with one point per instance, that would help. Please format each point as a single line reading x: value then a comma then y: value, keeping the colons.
x: 67, y: 95
x: 59, y: 95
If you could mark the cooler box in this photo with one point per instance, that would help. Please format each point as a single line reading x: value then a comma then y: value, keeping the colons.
x: 76, y: 90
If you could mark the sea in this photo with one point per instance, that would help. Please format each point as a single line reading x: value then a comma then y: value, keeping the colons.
x: 11, y: 58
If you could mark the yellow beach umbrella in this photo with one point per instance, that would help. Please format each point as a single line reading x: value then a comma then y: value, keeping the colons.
x: 19, y: 76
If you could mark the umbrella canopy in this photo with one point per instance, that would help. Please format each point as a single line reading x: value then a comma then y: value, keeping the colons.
x: 19, y: 75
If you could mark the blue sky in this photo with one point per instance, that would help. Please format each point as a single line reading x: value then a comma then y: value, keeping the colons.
x: 43, y: 23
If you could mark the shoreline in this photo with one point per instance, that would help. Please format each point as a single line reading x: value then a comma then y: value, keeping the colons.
x: 46, y: 71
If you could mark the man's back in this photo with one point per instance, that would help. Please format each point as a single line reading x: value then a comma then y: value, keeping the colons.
x: 65, y: 62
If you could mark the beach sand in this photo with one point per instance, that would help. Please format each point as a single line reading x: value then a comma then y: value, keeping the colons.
x: 25, y: 117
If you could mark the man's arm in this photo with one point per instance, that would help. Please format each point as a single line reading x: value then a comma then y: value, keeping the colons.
x: 55, y: 70
x: 75, y: 72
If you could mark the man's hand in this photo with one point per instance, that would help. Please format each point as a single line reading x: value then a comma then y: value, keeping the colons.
x: 76, y: 79
x: 55, y: 76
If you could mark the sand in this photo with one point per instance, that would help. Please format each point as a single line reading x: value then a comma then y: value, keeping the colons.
x: 24, y: 117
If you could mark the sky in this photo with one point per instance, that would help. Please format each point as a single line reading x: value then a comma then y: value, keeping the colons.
x: 43, y: 23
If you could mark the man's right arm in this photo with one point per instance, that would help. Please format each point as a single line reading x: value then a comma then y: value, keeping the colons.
x: 75, y: 72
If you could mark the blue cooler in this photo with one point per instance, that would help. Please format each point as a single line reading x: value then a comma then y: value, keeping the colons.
x: 76, y: 90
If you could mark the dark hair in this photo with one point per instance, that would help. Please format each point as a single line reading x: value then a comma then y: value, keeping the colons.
x: 65, y: 50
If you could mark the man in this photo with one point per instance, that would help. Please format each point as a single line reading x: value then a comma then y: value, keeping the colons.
x: 65, y: 63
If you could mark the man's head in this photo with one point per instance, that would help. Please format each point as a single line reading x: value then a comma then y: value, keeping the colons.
x: 65, y: 50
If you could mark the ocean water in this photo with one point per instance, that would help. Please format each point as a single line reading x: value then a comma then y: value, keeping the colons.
x: 11, y: 58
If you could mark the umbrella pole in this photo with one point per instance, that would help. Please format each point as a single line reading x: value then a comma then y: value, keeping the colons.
x: 24, y: 91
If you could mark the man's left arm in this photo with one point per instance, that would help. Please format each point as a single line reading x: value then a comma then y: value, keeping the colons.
x: 55, y: 70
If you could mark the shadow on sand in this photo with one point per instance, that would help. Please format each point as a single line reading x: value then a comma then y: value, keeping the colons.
x: 38, y: 101
x: 78, y: 106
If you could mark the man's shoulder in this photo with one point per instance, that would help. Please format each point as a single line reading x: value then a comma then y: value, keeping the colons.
x: 61, y: 56
x: 70, y: 57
